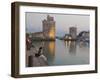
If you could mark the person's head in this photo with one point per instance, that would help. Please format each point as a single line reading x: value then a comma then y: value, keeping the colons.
x: 40, y: 48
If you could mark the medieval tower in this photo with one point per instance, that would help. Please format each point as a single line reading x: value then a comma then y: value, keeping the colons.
x: 49, y: 27
x: 73, y: 32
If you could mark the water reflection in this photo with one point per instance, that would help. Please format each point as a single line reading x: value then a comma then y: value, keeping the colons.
x: 58, y: 53
x: 71, y: 45
x: 49, y: 51
x: 83, y: 44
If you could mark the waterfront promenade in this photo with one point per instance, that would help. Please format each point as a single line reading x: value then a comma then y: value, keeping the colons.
x: 32, y: 60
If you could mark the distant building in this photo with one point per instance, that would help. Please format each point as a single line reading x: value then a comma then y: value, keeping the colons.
x: 67, y: 36
x: 84, y: 36
x: 38, y: 34
x: 73, y: 32
x: 49, y: 27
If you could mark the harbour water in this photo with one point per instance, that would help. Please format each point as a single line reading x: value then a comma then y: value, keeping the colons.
x: 61, y: 52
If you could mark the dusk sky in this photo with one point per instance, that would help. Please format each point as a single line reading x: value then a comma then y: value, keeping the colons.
x: 63, y: 22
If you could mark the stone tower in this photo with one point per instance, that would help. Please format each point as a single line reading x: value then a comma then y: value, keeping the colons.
x: 49, y: 27
x: 73, y: 32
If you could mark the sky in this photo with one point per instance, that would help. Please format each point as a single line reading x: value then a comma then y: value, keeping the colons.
x: 63, y: 22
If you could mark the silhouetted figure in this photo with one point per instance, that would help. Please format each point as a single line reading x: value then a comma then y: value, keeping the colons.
x: 39, y: 52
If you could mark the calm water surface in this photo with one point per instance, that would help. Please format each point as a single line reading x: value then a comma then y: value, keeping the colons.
x: 64, y: 52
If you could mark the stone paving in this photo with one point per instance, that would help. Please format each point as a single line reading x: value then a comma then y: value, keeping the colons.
x: 32, y: 61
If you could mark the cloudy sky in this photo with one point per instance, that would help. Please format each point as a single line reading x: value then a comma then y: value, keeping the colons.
x: 63, y: 22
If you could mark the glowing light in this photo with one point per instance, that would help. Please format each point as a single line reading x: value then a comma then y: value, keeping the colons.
x: 70, y: 38
x: 52, y: 47
x: 52, y: 32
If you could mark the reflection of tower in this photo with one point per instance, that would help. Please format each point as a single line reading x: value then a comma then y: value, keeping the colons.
x: 72, y: 47
x: 73, y: 32
x: 49, y: 51
x: 49, y: 27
